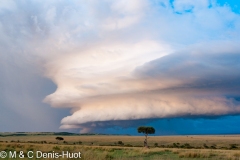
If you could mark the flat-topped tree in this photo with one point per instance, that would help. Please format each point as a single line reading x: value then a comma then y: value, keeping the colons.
x: 146, y: 130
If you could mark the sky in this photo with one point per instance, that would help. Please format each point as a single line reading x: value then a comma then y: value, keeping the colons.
x: 111, y: 66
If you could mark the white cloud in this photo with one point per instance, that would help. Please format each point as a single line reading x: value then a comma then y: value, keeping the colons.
x: 7, y: 5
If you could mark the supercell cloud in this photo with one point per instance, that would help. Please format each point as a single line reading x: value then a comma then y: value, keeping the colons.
x: 116, y: 61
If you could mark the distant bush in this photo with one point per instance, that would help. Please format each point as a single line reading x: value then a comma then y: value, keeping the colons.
x: 186, y: 145
x: 120, y: 143
x: 213, y: 146
x: 233, y: 146
x: 176, y: 145
x: 155, y: 144
x: 205, y: 146
x: 59, y: 138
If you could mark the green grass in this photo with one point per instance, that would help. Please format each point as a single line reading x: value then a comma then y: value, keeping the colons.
x: 125, y: 153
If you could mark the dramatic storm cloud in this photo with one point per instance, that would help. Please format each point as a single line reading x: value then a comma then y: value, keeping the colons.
x: 198, y: 82
x: 115, y: 62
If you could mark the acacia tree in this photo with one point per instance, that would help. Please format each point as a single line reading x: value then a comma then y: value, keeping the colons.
x: 146, y: 131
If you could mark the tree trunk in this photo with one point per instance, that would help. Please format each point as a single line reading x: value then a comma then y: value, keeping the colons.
x: 145, y: 141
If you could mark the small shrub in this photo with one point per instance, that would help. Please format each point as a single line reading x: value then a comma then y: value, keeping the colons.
x: 233, y: 146
x: 120, y: 143
x: 175, y: 145
x: 59, y: 138
x: 186, y: 145
x: 205, y: 146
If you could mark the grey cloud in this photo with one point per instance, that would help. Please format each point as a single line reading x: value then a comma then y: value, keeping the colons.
x: 197, y: 68
x: 21, y: 94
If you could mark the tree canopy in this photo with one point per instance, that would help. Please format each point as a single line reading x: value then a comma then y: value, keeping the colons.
x: 146, y: 130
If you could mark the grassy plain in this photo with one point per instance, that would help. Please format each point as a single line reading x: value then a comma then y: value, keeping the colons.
x: 101, y: 147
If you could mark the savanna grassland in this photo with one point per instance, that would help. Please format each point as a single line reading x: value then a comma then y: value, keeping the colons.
x: 106, y: 147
